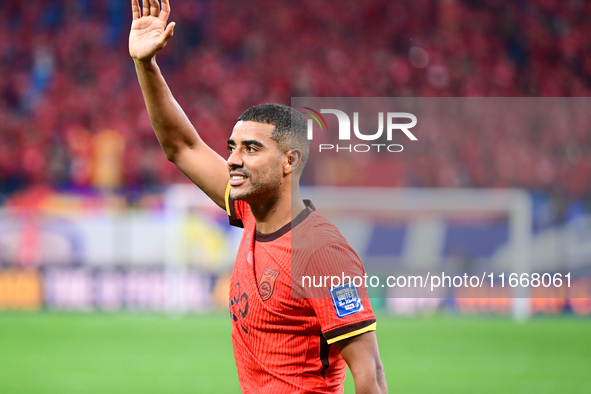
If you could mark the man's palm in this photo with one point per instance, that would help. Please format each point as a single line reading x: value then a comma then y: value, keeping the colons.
x: 149, y: 33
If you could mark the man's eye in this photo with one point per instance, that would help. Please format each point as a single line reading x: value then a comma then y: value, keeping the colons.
x: 250, y: 148
x: 231, y: 148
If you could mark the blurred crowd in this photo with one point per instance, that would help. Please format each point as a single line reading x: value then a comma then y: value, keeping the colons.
x: 72, y: 115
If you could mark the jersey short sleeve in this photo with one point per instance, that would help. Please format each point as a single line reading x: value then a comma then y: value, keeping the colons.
x: 337, y: 292
x: 235, y: 209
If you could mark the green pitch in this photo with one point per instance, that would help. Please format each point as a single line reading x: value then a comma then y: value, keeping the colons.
x: 131, y: 353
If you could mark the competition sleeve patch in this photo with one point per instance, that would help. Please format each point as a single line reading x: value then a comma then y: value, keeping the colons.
x: 345, y: 299
x: 231, y: 209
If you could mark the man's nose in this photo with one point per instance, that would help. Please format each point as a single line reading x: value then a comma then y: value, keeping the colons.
x: 235, y: 159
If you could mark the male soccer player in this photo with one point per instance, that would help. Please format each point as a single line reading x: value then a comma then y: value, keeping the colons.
x: 283, y: 342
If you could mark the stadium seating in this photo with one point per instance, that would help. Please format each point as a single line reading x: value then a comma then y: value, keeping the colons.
x: 72, y: 115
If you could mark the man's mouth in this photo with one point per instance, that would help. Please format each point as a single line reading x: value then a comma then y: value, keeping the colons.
x: 237, y: 179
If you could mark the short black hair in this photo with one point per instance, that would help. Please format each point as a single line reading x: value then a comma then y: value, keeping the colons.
x: 291, y: 130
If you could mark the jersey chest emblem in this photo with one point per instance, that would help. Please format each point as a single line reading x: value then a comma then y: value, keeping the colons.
x: 267, y: 283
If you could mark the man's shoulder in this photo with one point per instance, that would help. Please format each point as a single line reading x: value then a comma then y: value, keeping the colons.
x: 317, y: 231
x: 321, y: 223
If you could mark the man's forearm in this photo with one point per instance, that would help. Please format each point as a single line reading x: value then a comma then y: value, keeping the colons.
x: 182, y: 145
x: 363, y: 358
x: 370, y: 381
x: 172, y: 127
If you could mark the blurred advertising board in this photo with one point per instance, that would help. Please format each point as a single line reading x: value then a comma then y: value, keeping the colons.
x: 172, y: 252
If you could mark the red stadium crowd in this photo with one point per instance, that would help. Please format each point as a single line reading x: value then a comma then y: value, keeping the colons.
x: 72, y: 115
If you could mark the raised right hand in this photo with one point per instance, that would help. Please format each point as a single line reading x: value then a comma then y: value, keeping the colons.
x: 149, y: 32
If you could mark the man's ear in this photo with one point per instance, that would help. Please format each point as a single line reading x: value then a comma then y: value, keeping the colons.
x: 294, y: 160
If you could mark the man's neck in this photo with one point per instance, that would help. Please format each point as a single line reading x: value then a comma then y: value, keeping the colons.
x: 273, y: 215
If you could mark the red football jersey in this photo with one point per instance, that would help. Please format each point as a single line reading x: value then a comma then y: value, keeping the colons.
x: 282, y: 332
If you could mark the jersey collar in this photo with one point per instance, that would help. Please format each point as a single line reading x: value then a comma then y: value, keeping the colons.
x: 260, y: 237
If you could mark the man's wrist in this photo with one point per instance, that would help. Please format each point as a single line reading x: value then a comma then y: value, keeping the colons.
x: 146, y: 64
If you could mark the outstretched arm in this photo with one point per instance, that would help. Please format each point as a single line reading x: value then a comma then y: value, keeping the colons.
x: 177, y: 136
x: 363, y: 358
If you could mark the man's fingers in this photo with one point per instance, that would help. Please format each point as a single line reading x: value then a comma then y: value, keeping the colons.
x: 164, y: 37
x: 168, y: 32
x: 135, y: 9
x: 146, y: 7
x: 165, y: 10
x: 154, y: 8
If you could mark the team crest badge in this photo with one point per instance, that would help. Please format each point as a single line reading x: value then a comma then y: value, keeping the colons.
x: 267, y: 283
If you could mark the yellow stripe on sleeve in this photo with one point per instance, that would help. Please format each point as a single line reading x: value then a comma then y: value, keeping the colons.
x: 371, y: 327
x: 227, y: 199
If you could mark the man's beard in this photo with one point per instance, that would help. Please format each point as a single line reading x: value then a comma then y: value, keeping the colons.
x: 255, y: 191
